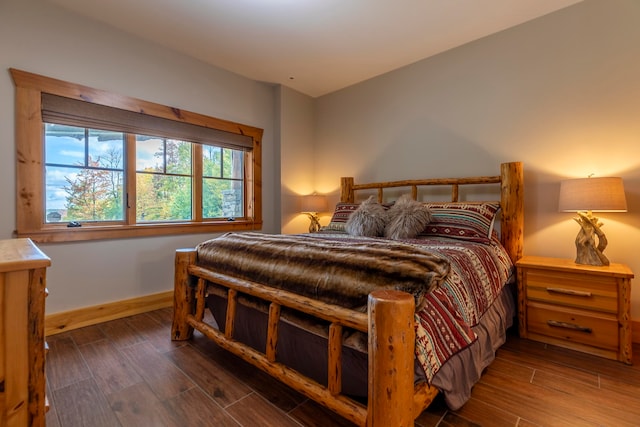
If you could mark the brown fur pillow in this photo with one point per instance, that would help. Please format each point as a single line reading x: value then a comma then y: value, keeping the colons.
x: 407, y: 218
x: 368, y: 220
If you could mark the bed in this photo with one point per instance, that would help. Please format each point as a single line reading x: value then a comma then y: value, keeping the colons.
x: 376, y: 344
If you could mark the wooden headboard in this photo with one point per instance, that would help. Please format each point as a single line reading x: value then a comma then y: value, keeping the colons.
x: 511, y: 198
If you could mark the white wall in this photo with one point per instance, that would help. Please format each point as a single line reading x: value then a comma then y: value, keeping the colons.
x: 39, y: 37
x: 560, y: 93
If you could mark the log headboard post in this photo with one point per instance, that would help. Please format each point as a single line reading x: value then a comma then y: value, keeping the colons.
x: 512, y: 204
x: 347, y: 194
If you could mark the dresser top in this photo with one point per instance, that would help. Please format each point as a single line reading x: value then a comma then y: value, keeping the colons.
x: 21, y: 254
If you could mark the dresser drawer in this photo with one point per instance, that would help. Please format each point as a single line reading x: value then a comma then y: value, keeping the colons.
x: 573, y: 290
x: 575, y: 325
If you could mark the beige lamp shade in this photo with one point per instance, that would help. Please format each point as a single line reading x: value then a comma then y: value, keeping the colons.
x: 313, y: 203
x: 592, y: 194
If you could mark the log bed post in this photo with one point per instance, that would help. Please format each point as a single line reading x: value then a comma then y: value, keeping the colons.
x: 346, y: 193
x: 183, y: 295
x: 512, y: 204
x: 391, y: 358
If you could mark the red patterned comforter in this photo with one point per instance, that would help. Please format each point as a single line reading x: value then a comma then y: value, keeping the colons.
x: 478, y: 273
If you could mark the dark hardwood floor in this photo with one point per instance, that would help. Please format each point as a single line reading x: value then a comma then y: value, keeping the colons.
x: 128, y: 372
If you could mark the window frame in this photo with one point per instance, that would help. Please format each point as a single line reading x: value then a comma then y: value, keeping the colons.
x: 30, y: 167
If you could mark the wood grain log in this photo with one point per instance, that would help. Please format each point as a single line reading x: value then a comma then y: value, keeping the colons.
x: 587, y: 252
x: 391, y: 358
x: 183, y: 295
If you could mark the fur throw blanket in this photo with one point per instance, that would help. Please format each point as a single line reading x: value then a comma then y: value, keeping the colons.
x: 341, y: 271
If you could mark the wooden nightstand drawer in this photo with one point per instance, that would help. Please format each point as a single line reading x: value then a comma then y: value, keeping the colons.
x: 582, y: 307
x: 579, y: 326
x: 573, y: 290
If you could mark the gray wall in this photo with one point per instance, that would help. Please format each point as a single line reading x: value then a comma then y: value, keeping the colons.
x: 560, y: 93
x: 39, y: 37
x: 297, y: 124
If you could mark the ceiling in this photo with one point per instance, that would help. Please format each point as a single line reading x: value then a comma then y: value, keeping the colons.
x: 313, y: 46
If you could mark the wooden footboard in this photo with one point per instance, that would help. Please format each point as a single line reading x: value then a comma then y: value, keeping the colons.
x: 393, y: 400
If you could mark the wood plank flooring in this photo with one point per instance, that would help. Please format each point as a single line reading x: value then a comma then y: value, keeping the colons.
x: 128, y: 372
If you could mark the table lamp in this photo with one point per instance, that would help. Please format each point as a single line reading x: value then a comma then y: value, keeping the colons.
x: 585, y: 196
x: 311, y: 205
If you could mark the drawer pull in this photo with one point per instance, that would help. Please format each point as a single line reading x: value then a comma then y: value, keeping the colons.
x: 569, y: 292
x: 565, y: 325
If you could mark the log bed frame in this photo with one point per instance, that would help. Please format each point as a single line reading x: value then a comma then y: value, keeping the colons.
x: 393, y: 400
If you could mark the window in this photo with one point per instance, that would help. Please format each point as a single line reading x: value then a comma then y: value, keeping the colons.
x: 84, y: 174
x: 222, y: 176
x: 163, y: 179
x: 95, y: 165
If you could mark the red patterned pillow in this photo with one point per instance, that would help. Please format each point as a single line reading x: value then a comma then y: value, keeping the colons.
x: 342, y: 213
x: 462, y: 220
x: 340, y: 216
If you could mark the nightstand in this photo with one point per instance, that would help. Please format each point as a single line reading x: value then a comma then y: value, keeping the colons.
x: 582, y: 307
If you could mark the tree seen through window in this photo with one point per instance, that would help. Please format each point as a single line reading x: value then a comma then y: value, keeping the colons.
x: 85, y: 177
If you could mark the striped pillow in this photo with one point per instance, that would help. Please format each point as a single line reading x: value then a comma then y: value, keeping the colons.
x: 462, y: 220
x: 340, y: 216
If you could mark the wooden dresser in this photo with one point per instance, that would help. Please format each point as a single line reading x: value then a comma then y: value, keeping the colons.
x: 22, y: 346
x: 582, y: 307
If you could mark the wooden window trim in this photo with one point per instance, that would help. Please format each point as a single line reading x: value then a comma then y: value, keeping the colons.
x: 30, y: 221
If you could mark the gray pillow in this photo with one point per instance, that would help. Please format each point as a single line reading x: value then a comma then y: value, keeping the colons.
x: 406, y: 218
x: 368, y: 220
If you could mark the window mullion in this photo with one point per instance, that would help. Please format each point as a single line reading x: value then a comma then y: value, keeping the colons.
x: 252, y: 205
x: 196, y: 183
x: 164, y: 156
x: 130, y: 178
x: 87, y: 163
